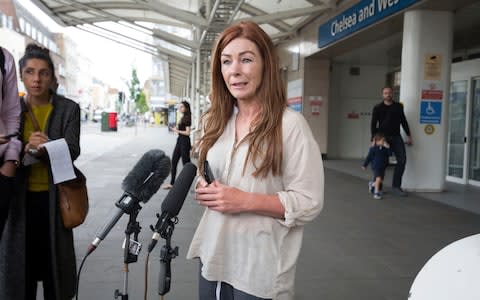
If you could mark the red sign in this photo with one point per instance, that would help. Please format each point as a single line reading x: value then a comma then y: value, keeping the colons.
x: 294, y: 100
x: 316, y: 104
x: 432, y: 94
x: 353, y: 115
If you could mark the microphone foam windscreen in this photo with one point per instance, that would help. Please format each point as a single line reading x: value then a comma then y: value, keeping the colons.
x: 152, y: 161
x: 175, y: 198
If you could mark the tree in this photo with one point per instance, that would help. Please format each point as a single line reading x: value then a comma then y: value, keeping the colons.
x: 141, y: 104
x: 134, y: 85
x: 136, y: 93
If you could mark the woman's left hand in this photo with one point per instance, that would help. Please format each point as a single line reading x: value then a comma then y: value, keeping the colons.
x: 221, y: 198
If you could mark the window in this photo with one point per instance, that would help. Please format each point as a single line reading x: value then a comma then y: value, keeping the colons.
x: 21, y: 21
x: 28, y: 29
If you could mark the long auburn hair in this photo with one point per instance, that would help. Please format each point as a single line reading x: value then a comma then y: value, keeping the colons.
x: 265, y: 136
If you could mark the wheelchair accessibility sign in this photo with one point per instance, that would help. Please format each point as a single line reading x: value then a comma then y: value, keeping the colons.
x: 430, y: 112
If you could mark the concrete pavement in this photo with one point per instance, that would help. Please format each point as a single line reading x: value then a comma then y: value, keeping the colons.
x: 106, y: 159
x: 358, y: 248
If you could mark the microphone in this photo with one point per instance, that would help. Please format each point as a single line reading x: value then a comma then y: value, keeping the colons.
x: 172, y: 204
x: 154, y: 167
x: 139, y: 185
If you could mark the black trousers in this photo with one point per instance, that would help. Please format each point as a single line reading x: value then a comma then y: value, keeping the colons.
x: 38, y: 264
x: 6, y: 193
x: 182, y: 149
x: 398, y: 148
x: 207, y: 290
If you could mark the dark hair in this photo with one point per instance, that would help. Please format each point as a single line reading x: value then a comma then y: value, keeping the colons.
x: 387, y: 87
x: 187, y: 114
x: 378, y: 136
x: 34, y: 51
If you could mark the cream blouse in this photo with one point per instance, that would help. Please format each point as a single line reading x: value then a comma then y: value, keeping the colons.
x: 257, y: 254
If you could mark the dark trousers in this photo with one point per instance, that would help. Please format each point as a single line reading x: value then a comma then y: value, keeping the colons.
x: 6, y: 193
x: 182, y: 149
x: 207, y: 290
x: 38, y: 264
x: 398, y: 148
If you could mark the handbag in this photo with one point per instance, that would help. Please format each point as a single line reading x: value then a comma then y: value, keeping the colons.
x: 73, y: 200
x: 72, y: 194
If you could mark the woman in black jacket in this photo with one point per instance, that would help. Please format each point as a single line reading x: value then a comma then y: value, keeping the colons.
x: 184, y: 145
x: 36, y: 246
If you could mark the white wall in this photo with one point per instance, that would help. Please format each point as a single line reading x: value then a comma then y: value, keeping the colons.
x: 316, y: 87
x: 426, y: 34
x: 349, y: 138
x: 466, y: 69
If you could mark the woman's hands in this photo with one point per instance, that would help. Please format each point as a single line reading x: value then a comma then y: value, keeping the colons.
x: 178, y: 131
x: 226, y: 199
x: 221, y: 198
x: 34, y: 141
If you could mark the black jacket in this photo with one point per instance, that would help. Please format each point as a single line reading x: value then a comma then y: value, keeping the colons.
x: 387, y: 119
x: 64, y: 121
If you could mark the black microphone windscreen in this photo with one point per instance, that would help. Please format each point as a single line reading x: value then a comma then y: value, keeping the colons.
x: 174, y: 200
x: 153, y: 163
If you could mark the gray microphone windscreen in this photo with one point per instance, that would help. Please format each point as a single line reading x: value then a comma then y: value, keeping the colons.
x: 154, y: 165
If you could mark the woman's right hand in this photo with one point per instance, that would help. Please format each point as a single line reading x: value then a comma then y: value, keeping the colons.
x: 222, y: 198
x: 34, y: 141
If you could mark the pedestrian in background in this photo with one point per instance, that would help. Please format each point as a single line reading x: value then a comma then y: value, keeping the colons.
x: 377, y: 157
x: 387, y: 117
x: 183, y: 145
x: 40, y: 248
x: 10, y: 146
x: 269, y: 174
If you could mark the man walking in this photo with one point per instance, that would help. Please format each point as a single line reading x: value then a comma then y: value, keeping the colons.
x: 387, y: 117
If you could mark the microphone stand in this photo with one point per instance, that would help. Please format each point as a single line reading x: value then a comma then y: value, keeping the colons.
x: 166, y: 256
x: 131, y: 251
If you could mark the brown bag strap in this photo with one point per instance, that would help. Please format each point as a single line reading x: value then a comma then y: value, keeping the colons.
x: 36, y: 126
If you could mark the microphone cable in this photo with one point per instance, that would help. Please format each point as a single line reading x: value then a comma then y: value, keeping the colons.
x: 79, y: 272
x: 146, y: 276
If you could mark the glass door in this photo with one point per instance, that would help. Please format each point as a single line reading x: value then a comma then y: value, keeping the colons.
x: 456, y: 133
x: 474, y: 160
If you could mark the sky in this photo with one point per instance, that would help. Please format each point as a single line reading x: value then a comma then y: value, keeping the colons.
x: 111, y: 62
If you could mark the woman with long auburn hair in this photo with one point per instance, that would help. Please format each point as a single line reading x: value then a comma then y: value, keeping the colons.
x: 268, y: 174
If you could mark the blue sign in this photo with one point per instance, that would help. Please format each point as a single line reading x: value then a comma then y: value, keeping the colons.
x: 296, y: 107
x: 430, y: 112
x: 363, y: 14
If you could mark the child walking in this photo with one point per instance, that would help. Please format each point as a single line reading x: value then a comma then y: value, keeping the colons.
x: 378, y: 159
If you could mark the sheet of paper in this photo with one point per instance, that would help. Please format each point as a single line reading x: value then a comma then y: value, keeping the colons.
x: 60, y: 160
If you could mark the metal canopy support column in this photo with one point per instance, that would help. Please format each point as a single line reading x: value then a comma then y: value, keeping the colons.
x: 192, y: 94
x: 197, y: 84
